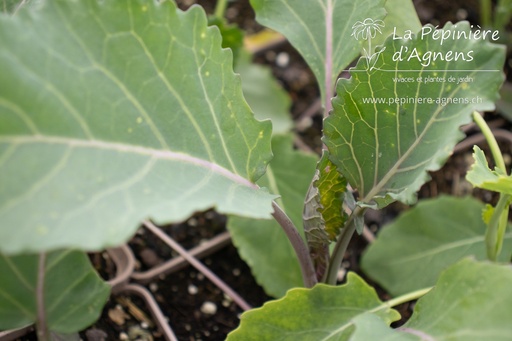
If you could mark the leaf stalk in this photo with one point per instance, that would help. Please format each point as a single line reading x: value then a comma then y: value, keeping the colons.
x: 491, y: 140
x: 220, y: 9
x: 302, y: 252
x: 407, y: 297
x: 43, y: 333
x: 485, y: 13
x: 497, y: 225
x: 342, y: 244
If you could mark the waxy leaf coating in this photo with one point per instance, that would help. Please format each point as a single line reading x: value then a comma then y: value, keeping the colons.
x: 394, y: 120
x: 431, y: 236
x: 470, y: 302
x: 320, y: 30
x: 112, y: 112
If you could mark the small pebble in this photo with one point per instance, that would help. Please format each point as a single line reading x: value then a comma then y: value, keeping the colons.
x: 507, y: 159
x: 282, y: 59
x: 192, y: 222
x: 200, y: 276
x: 192, y: 289
x: 144, y: 325
x: 153, y: 287
x: 461, y: 14
x: 341, y: 274
x: 149, y: 257
x: 236, y: 272
x: 208, y: 308
x: 118, y: 316
x: 123, y: 336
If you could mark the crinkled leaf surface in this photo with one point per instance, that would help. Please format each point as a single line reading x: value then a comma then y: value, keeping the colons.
x: 323, y: 214
x: 262, y: 243
x: 265, y: 96
x: 113, y: 112
x: 385, y: 149
x: 431, y: 236
x: 320, y: 30
x: 331, y: 188
x: 74, y: 294
x: 481, y: 176
x: 321, y: 313
x: 470, y: 302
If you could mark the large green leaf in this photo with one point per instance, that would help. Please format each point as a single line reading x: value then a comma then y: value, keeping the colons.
x: 73, y: 297
x: 470, y: 302
x: 320, y: 30
x: 113, y: 112
x: 438, y: 233
x: 385, y: 134
x: 322, y: 313
x: 262, y: 243
x: 481, y: 176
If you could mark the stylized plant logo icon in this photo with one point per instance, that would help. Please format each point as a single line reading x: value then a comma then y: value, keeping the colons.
x: 366, y: 30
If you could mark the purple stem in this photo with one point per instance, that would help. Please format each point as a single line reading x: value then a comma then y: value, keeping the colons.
x: 302, y: 252
x: 328, y: 59
x: 42, y: 328
x: 198, y: 265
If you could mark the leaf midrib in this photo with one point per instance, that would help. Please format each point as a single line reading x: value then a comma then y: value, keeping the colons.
x: 159, y: 154
x: 393, y: 171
